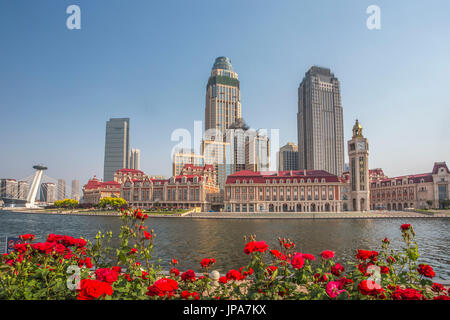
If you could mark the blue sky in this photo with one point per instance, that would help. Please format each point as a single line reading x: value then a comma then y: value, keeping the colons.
x: 150, y: 61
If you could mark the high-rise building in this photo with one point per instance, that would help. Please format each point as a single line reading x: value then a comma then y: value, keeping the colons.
x: 183, y: 157
x: 223, y: 96
x: 9, y: 188
x: 23, y: 189
x: 48, y: 192
x: 257, y: 153
x: 135, y: 159
x: 117, y: 145
x: 61, y: 189
x: 288, y: 157
x: 236, y: 135
x: 320, y: 122
x: 75, y: 190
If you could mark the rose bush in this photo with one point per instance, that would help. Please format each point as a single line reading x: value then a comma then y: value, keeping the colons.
x: 45, y: 270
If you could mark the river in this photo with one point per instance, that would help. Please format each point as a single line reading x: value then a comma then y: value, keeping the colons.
x: 189, y: 239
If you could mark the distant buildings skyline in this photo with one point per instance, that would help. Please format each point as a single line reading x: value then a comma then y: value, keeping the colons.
x: 287, y: 157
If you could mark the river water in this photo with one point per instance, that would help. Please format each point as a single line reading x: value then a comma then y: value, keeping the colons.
x: 190, y: 239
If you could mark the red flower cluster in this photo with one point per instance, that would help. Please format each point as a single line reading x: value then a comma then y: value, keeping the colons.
x: 406, y: 294
x: 186, y: 295
x: 327, y: 254
x: 163, y: 287
x: 27, y: 237
x: 308, y: 256
x: 278, y: 254
x: 426, y: 270
x: 66, y: 240
x: 189, y: 275
x: 369, y: 287
x: 437, y: 287
x: 255, y: 246
x: 234, y: 275
x: 366, y: 254
x: 207, y: 262
x: 107, y: 275
x: 337, y: 269
x: 93, y: 289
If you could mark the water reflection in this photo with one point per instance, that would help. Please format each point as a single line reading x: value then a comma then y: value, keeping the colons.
x: 190, y: 240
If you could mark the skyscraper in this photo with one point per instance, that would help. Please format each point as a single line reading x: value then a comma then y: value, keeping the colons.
x: 61, y: 190
x: 117, y: 145
x: 75, y: 190
x: 135, y: 159
x: 320, y: 122
x: 223, y: 96
x: 288, y: 157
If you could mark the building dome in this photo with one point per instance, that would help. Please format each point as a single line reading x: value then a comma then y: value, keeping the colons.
x: 222, y: 63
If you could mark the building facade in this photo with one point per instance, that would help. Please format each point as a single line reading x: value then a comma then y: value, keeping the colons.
x: 288, y: 157
x: 419, y: 191
x: 218, y: 155
x: 9, y: 188
x: 23, y: 189
x: 320, y: 122
x: 117, y: 146
x: 283, y: 191
x: 195, y: 187
x: 75, y: 192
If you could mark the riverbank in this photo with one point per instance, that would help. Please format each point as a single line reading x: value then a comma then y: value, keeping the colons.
x: 250, y: 215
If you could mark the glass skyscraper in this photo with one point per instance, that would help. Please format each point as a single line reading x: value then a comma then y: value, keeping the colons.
x: 117, y: 145
x: 320, y: 122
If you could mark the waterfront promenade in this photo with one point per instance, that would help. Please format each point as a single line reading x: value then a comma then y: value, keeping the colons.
x: 253, y: 215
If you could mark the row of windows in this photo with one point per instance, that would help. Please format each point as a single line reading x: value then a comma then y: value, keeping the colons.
x: 274, y: 181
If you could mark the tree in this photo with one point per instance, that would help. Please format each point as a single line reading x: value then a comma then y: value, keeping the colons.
x: 112, y: 203
x: 66, y: 203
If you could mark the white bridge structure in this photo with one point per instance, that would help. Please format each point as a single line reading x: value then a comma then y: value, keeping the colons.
x: 17, y: 197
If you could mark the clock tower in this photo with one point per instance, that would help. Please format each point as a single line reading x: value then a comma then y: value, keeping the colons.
x: 358, y: 153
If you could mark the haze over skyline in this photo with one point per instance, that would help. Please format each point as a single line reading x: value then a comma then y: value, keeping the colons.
x: 150, y: 62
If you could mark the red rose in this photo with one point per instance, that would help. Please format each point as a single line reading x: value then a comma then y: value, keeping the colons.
x: 162, y: 287
x: 186, y: 294
x: 327, y: 254
x: 343, y: 282
x: 223, y: 280
x: 188, y: 275
x: 405, y: 226
x: 337, y: 269
x: 133, y: 251
x: 88, y: 262
x: 106, y: 274
x: 147, y: 235
x: 174, y: 261
x: 390, y: 259
x: 234, y: 275
x: 442, y: 297
x: 384, y: 269
x: 308, y: 256
x: 437, y: 287
x: 93, y: 289
x: 297, y: 261
x: 245, y: 273
x: 255, y: 246
x: 368, y: 287
x: 426, y: 270
x: 175, y: 271
x: 207, y: 262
